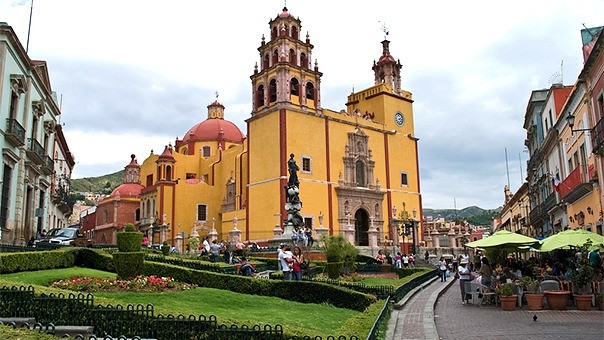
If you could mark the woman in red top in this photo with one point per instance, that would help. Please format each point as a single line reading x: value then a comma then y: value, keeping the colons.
x: 298, y: 259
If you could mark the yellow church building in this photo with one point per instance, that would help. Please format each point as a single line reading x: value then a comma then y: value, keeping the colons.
x: 358, y: 168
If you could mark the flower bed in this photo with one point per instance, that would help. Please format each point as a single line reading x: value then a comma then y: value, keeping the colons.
x: 137, y: 284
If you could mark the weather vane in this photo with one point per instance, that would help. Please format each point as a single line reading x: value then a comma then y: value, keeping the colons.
x: 385, y: 30
x: 216, y: 93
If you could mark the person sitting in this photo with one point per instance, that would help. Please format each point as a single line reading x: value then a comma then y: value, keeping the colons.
x: 246, y: 268
x: 379, y: 258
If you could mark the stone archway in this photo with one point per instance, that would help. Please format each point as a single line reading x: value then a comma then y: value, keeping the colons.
x: 361, y: 227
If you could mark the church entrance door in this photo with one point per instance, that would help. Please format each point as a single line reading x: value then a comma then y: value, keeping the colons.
x: 361, y: 226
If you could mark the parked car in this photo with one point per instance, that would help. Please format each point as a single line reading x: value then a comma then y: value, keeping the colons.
x: 70, y: 237
x: 46, y: 238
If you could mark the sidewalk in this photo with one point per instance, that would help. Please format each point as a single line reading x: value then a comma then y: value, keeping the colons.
x: 433, y: 311
x: 415, y: 320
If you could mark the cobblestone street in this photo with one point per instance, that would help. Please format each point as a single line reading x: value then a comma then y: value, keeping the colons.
x: 457, y: 321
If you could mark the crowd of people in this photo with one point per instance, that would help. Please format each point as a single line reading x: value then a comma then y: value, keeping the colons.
x: 557, y: 265
x: 398, y: 260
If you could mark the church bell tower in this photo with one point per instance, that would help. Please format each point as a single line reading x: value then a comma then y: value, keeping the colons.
x: 286, y: 73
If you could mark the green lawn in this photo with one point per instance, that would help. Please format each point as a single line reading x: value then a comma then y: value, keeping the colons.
x: 228, y: 307
x: 377, y: 281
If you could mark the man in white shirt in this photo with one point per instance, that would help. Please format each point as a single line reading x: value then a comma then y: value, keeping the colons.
x: 206, y: 245
x: 286, y: 258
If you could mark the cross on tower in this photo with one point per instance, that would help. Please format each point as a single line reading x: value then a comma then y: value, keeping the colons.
x: 385, y: 30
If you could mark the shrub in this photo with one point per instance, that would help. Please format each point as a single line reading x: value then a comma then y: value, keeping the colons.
x: 129, y: 228
x: 165, y: 248
x: 338, y: 250
x: 300, y: 291
x: 129, y: 264
x: 333, y: 269
x: 129, y: 241
x: 37, y: 260
x: 96, y: 259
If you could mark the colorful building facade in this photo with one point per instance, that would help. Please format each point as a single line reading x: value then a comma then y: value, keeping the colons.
x: 355, y: 165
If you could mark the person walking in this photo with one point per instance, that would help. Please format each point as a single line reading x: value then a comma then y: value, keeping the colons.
x: 464, y: 276
x: 442, y: 269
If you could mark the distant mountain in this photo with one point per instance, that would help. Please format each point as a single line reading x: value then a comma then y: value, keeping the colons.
x: 102, y: 184
x: 473, y: 214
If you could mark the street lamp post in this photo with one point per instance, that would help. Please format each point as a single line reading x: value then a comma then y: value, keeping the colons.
x: 405, y: 226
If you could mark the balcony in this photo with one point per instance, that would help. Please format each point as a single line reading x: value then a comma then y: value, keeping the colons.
x: 35, y: 151
x: 550, y: 201
x: 597, y: 138
x: 15, y: 133
x: 578, y: 183
x: 536, y: 214
x: 48, y: 167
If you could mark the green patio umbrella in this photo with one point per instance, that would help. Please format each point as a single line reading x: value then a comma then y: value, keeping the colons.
x: 503, y: 238
x: 570, y: 238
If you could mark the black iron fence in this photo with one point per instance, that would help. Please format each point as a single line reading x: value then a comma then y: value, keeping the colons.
x: 129, y: 321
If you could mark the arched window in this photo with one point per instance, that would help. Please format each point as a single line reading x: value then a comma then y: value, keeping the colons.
x: 148, y: 210
x: 185, y: 151
x: 382, y: 78
x: 272, y: 87
x: 137, y: 214
x: 292, y: 56
x: 294, y: 87
x: 310, y: 91
x: 360, y: 172
x: 168, y: 173
x: 159, y: 173
x: 303, y: 60
x: 266, y: 62
x: 275, y: 57
x: 294, y: 32
x: 274, y: 33
x: 283, y: 30
x: 260, y: 96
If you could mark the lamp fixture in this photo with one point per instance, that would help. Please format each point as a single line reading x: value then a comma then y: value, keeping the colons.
x: 570, y: 120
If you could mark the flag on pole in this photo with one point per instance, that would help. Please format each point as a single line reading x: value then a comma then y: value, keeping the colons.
x: 556, y: 181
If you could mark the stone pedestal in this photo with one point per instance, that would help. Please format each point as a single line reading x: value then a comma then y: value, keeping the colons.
x: 235, y: 235
x: 277, y: 231
x: 213, y: 234
x: 373, y: 236
x: 435, y: 240
x: 163, y: 233
x: 178, y: 240
x: 322, y: 233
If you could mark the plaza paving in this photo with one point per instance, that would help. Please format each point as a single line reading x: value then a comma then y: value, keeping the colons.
x: 435, y: 312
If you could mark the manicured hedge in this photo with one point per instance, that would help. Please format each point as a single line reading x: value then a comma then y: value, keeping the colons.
x: 300, y: 291
x: 95, y: 259
x: 129, y: 241
x: 37, y: 260
x: 129, y: 264
x: 404, y: 272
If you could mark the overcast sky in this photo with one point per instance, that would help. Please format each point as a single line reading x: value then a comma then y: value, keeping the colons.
x: 132, y: 75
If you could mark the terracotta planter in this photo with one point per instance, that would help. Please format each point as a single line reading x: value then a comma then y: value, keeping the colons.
x: 534, y: 301
x: 508, y: 302
x: 583, y: 302
x: 385, y: 268
x: 557, y: 299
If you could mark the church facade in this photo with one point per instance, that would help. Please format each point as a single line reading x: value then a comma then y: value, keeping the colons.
x: 358, y: 167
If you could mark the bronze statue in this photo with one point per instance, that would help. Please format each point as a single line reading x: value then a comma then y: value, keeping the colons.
x: 292, y: 167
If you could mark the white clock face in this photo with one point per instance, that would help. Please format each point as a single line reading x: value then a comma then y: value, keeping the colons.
x: 399, y: 119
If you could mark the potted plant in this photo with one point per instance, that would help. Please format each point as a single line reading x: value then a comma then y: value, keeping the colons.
x: 505, y: 292
x: 581, y: 278
x: 532, y: 292
x: 600, y: 301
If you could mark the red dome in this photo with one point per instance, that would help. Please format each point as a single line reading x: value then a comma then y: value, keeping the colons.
x: 127, y: 190
x: 214, y: 130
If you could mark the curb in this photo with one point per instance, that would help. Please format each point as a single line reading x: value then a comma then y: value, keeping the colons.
x: 429, y: 323
x: 408, y: 296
